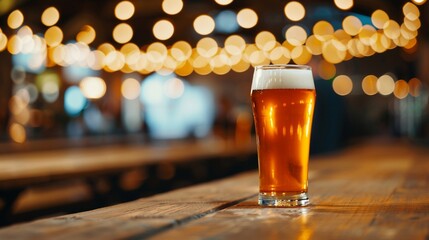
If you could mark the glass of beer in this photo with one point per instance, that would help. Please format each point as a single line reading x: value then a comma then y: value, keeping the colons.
x: 283, y: 98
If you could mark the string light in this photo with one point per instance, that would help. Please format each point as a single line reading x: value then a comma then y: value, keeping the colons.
x: 294, y: 11
x: 247, y: 18
x: 163, y: 29
x: 204, y: 24
x: 50, y: 16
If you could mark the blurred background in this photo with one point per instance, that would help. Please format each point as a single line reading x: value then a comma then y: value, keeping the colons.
x: 98, y: 73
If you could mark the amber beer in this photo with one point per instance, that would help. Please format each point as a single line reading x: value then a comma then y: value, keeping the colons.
x: 283, y: 99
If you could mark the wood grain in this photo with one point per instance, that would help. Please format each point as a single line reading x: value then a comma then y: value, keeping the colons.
x: 365, y: 193
x: 23, y: 169
x: 372, y: 191
x: 139, y: 218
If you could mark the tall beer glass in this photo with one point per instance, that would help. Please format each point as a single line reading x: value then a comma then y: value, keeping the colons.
x: 283, y: 98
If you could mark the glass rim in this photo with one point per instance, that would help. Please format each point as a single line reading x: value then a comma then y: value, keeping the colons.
x: 282, y: 66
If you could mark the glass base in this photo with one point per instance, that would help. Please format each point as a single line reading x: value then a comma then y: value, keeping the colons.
x: 283, y: 200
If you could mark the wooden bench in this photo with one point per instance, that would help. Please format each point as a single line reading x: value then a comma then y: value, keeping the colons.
x: 372, y: 191
x: 21, y: 171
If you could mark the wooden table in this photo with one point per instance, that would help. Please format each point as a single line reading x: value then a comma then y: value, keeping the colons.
x: 20, y: 171
x: 371, y: 191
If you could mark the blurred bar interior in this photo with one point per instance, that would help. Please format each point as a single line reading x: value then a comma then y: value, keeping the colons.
x: 96, y: 73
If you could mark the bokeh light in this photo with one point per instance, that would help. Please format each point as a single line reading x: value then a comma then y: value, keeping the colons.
x: 86, y: 35
x: 74, y: 101
x: 172, y: 7
x: 130, y: 88
x: 53, y: 36
x: 204, y: 24
x: 323, y: 30
x: 15, y: 19
x: 247, y: 18
x: 296, y: 35
x: 352, y: 25
x: 163, y: 29
x: 342, y: 85
x: 369, y: 85
x: 223, y: 2
x: 93, y: 87
x: 401, y: 89
x: 265, y: 40
x: 415, y: 86
x: 17, y: 133
x: 326, y: 70
x: 124, y: 10
x: 181, y: 51
x: 294, y: 11
x: 385, y: 85
x: 122, y: 33
x: 50, y: 16
x: 344, y: 4
x: 235, y: 44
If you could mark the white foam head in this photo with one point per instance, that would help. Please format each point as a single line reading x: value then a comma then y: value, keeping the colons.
x: 282, y: 77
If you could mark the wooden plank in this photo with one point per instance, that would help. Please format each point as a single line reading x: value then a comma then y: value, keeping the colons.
x: 22, y: 169
x: 365, y: 193
x: 372, y: 191
x: 139, y: 218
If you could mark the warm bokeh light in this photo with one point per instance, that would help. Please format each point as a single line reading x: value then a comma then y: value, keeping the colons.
x: 419, y: 2
x: 352, y: 25
x: 323, y: 30
x: 50, y: 16
x: 86, y: 35
x: 265, y: 40
x: 379, y: 18
x: 130, y: 88
x: 411, y: 11
x: 124, y: 10
x: 15, y: 19
x: 207, y: 47
x: 172, y: 7
x: 247, y: 18
x: 14, y: 45
x: 3, y: 41
x: 53, y: 36
x: 223, y: 2
x: 385, y: 85
x: 235, y: 45
x: 342, y: 85
x: 314, y: 45
x: 334, y: 51
x: 369, y: 85
x: 280, y: 55
x: 296, y: 35
x: 17, y: 133
x: 300, y: 55
x: 326, y: 70
x: 415, y: 86
x: 344, y: 4
x: 157, y: 53
x: 131, y: 52
x: 412, y: 25
x: 181, y: 51
x: 294, y: 11
x: 401, y: 89
x: 122, y: 33
x: 204, y: 24
x: 163, y: 29
x: 93, y: 87
x: 392, y: 29
x: 366, y: 33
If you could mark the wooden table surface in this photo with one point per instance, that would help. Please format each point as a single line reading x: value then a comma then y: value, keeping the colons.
x: 371, y: 191
x: 30, y: 168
